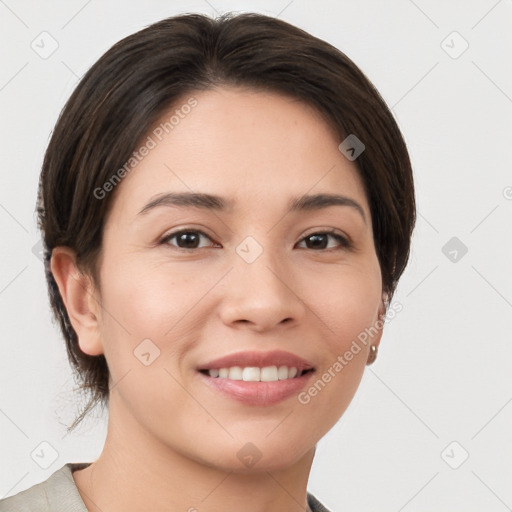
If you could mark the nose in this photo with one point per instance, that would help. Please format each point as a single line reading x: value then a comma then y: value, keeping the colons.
x: 261, y: 295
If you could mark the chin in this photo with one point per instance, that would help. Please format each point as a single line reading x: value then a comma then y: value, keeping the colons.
x: 251, y: 458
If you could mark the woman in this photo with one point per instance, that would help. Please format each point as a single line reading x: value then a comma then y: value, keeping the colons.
x: 226, y: 207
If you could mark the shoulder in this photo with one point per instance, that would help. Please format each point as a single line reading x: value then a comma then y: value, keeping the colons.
x: 56, y: 494
x: 315, y: 505
x: 59, y: 494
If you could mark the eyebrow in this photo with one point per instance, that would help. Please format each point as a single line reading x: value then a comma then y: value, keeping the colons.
x: 218, y: 203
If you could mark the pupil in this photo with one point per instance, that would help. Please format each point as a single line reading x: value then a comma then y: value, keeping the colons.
x: 317, y: 238
x: 188, y: 239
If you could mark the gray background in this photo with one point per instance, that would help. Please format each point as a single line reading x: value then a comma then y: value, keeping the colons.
x: 443, y: 372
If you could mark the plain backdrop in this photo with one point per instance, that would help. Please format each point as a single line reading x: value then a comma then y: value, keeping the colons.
x: 429, y: 428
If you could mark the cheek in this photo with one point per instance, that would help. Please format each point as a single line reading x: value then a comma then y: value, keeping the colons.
x: 349, y: 303
x: 146, y: 299
x: 144, y: 306
x: 347, y: 311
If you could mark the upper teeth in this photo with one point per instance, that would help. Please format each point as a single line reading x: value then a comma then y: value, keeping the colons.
x: 255, y: 374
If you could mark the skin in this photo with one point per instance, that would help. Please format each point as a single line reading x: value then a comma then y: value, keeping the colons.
x: 172, y: 441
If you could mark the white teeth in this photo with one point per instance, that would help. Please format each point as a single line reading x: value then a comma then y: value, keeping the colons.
x: 255, y: 374
x: 282, y: 373
x: 269, y: 374
x: 251, y: 374
x: 235, y: 373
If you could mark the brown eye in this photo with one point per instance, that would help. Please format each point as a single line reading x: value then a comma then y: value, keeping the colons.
x: 185, y: 239
x: 320, y: 241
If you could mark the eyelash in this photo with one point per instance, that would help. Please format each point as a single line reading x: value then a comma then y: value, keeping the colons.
x: 345, y: 243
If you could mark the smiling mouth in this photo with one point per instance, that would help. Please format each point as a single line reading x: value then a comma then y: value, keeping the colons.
x: 256, y: 374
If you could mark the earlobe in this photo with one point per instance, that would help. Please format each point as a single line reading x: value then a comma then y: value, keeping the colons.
x: 381, y: 319
x: 379, y: 326
x: 77, y: 292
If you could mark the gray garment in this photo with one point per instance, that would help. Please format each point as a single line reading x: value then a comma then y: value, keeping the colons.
x: 59, y: 493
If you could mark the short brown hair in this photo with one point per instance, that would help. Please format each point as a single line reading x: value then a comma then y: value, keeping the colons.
x: 135, y: 82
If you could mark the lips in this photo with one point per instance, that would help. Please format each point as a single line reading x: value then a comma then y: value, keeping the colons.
x: 257, y: 393
x: 258, y: 359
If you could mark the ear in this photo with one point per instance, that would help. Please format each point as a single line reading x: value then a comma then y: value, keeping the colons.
x: 380, y: 320
x: 78, y: 294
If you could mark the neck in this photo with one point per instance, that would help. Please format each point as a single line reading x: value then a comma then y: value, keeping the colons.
x: 136, y: 472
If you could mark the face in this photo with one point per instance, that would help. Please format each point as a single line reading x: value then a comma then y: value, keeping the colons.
x: 247, y: 276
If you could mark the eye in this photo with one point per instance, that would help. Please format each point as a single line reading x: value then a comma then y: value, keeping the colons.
x: 190, y: 239
x: 185, y: 239
x: 319, y: 241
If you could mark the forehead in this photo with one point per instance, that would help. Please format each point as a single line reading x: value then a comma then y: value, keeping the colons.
x: 252, y: 146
